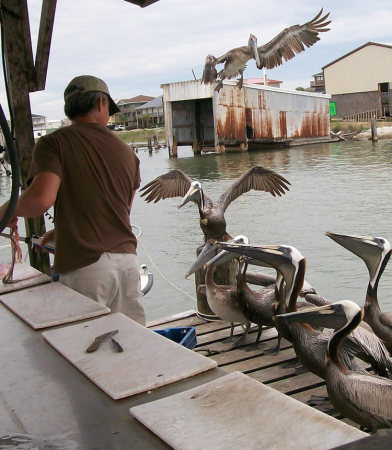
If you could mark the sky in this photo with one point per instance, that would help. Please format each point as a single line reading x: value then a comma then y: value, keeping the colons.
x: 135, y: 50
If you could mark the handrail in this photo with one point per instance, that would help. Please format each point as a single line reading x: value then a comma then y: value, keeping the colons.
x: 365, y: 116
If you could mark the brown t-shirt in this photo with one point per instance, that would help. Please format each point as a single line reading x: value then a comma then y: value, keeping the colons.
x: 98, y: 173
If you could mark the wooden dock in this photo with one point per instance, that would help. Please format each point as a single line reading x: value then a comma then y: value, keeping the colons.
x: 280, y: 371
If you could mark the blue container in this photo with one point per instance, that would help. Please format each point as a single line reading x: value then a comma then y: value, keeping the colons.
x: 185, y: 336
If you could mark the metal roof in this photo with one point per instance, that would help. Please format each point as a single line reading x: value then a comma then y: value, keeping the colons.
x: 155, y: 103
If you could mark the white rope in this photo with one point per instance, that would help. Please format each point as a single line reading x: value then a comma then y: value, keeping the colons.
x: 156, y: 267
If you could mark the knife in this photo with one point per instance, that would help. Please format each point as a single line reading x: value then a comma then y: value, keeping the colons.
x: 97, y: 341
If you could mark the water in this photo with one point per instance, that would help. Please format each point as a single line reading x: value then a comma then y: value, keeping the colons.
x: 341, y: 187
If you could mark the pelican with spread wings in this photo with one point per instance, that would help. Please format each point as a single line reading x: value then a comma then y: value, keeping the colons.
x: 212, y: 221
x: 284, y: 46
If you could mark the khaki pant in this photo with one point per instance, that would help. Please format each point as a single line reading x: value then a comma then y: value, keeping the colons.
x: 113, y: 281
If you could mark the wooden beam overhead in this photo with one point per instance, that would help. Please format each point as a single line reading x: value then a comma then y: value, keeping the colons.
x: 142, y: 3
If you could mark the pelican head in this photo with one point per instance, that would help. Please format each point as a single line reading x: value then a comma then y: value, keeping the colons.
x: 252, y: 43
x: 225, y: 256
x: 195, y: 194
x: 283, y: 258
x: 334, y: 316
x: 372, y: 250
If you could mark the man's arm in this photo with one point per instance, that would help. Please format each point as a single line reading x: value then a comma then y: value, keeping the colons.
x: 38, y: 197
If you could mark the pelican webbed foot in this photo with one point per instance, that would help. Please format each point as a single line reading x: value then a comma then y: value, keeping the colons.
x: 242, y: 338
x: 273, y: 350
x: 231, y: 338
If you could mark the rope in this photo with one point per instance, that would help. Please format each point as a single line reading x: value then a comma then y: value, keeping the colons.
x: 157, y: 268
x: 16, y: 252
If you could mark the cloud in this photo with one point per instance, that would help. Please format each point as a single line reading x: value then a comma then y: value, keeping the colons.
x: 135, y: 49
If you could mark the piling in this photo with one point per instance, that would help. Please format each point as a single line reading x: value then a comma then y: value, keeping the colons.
x: 374, y: 129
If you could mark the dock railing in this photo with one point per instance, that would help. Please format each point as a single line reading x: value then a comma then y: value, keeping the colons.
x: 365, y: 116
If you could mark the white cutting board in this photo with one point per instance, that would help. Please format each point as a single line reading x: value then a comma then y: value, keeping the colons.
x: 147, y: 362
x: 51, y: 304
x: 238, y: 412
x: 23, y: 276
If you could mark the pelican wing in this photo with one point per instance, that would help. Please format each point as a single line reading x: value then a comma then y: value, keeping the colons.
x: 291, y: 41
x: 171, y: 184
x: 257, y: 178
x: 369, y: 394
x: 386, y: 319
x: 367, y: 346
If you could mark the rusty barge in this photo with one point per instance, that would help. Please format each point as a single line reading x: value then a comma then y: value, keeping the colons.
x: 236, y: 119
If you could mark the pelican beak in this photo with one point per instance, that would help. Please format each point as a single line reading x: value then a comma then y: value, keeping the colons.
x: 278, y: 257
x: 253, y: 44
x: 330, y: 316
x: 205, y: 255
x: 222, y: 257
x: 189, y: 196
x: 370, y: 249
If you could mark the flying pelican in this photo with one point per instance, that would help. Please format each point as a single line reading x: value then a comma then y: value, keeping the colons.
x: 222, y: 299
x: 285, y: 45
x: 212, y: 221
x: 375, y: 252
x: 363, y: 398
x: 310, y: 344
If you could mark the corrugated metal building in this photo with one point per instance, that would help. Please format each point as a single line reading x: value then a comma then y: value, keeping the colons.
x: 361, y: 80
x: 233, y: 119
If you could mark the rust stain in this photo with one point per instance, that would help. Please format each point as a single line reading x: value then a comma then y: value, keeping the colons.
x: 248, y: 117
x: 262, y: 100
x: 283, y: 124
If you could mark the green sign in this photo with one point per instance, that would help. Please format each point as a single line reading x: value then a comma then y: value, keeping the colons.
x: 332, y: 109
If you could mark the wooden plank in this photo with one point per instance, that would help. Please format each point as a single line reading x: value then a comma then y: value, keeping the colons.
x: 234, y: 412
x: 261, y: 361
x: 146, y: 362
x: 304, y: 396
x: 278, y: 371
x: 300, y: 382
x: 180, y: 316
x: 246, y: 352
x: 43, y: 44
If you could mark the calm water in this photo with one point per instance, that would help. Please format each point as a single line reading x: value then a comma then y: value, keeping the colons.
x: 340, y: 187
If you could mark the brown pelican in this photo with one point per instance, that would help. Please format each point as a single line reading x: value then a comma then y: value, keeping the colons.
x: 310, y: 344
x: 212, y: 221
x: 258, y: 306
x: 222, y: 299
x: 285, y: 45
x: 375, y: 252
x: 363, y: 398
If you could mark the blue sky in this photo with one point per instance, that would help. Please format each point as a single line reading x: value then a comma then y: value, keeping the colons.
x: 136, y: 49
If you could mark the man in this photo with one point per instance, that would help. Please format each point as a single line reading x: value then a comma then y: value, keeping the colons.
x: 90, y: 176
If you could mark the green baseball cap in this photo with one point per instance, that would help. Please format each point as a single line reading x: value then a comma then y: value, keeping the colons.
x: 88, y: 83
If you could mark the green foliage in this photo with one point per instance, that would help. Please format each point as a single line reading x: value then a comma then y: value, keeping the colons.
x: 142, y: 135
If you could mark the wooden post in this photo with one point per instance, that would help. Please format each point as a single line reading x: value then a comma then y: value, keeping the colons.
x: 24, y: 77
x: 374, y: 129
x: 174, y: 149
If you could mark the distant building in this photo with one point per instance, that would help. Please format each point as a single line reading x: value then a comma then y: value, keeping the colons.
x: 127, y: 106
x: 317, y: 85
x: 150, y: 114
x: 39, y: 125
x: 54, y: 124
x: 260, y: 81
x: 360, y: 82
